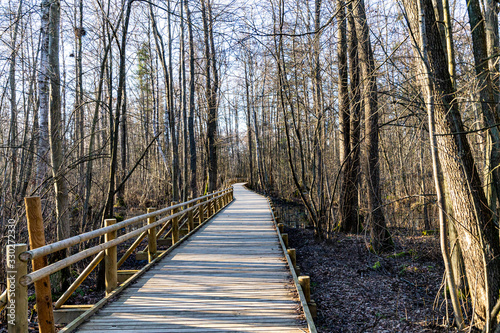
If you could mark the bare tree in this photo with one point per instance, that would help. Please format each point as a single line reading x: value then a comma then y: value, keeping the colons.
x: 379, y: 235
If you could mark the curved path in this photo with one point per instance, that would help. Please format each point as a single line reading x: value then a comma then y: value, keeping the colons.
x: 231, y: 276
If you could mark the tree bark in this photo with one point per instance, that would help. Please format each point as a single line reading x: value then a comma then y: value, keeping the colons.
x: 487, y: 97
x: 211, y: 89
x: 192, y: 143
x: 43, y: 96
x: 344, y: 119
x: 114, y: 124
x: 349, y: 217
x: 56, y: 135
x: 475, y: 228
x: 380, y: 237
x: 12, y: 143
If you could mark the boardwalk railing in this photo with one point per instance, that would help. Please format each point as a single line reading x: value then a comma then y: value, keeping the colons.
x: 168, y: 221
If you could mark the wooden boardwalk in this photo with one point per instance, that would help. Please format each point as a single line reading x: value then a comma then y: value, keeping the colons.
x: 231, y: 276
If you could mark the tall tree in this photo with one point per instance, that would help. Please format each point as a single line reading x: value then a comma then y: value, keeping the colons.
x: 43, y: 95
x: 344, y: 118
x: 169, y: 102
x: 192, y: 143
x: 487, y: 96
x: 56, y: 133
x: 475, y: 227
x: 115, y: 123
x: 211, y: 91
x: 348, y: 205
x: 379, y: 235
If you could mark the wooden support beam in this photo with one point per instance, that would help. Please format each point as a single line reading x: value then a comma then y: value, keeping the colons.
x: 17, y: 297
x: 124, y: 275
x: 305, y: 283
x: 293, y: 257
x: 190, y: 217
x: 141, y: 255
x: 164, y: 241
x: 201, y: 212
x: 281, y: 227
x: 43, y: 292
x: 66, y: 315
x: 131, y: 249
x: 285, y: 239
x: 152, y: 249
x: 111, y: 277
x: 210, y: 203
x: 93, y: 264
x: 175, y: 225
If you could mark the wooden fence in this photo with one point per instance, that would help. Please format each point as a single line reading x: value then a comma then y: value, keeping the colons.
x: 163, y: 225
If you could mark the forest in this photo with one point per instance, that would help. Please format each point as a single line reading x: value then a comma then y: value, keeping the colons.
x: 375, y: 118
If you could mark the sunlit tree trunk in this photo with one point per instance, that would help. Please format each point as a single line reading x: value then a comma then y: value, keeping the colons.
x: 475, y: 228
x: 211, y: 90
x: 487, y: 96
x: 56, y: 134
x: 192, y: 143
x: 379, y: 235
x: 43, y: 95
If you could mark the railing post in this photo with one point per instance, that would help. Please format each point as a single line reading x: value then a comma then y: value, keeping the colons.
x: 285, y: 239
x: 175, y: 224
x: 209, y: 212
x: 190, y: 216
x: 43, y: 292
x: 152, y: 248
x: 293, y: 257
x: 305, y: 283
x: 111, y: 275
x: 17, y: 295
x: 201, y: 212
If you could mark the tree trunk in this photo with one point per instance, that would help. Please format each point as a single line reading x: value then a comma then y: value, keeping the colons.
x: 78, y: 106
x: 114, y: 124
x: 380, y: 237
x: 211, y: 89
x: 319, y: 112
x: 182, y: 77
x: 56, y: 136
x: 192, y: 143
x: 344, y: 120
x: 169, y: 104
x: 12, y: 143
x: 171, y: 114
x: 349, y: 191
x: 43, y: 99
x: 475, y: 228
x: 249, y: 127
x: 487, y: 96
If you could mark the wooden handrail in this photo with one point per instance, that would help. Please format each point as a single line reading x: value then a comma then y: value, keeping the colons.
x: 50, y: 269
x: 66, y: 243
x: 3, y: 300
x: 106, y: 250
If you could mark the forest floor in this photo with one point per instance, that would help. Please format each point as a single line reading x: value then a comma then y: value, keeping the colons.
x: 358, y: 291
